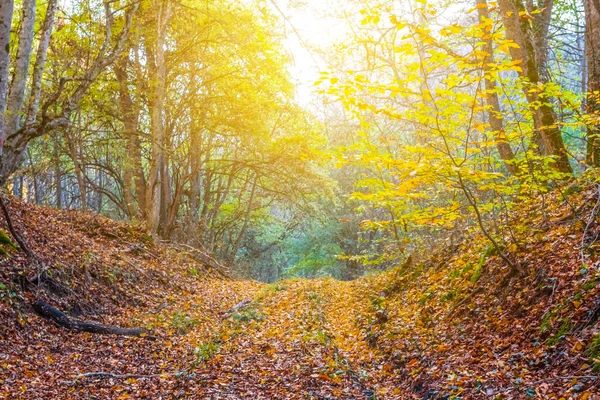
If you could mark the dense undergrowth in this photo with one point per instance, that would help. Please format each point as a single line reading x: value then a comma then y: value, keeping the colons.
x: 457, y: 325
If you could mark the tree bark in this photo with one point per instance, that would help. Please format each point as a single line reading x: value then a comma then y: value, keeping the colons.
x: 133, y: 174
x: 16, y: 95
x: 158, y: 83
x: 592, y: 45
x: 57, y: 173
x: 195, y: 161
x: 493, y: 103
x: 40, y: 63
x: 6, y: 13
x: 76, y: 155
x: 532, y: 52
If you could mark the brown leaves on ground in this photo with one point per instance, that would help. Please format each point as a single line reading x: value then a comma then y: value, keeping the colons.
x: 442, y: 329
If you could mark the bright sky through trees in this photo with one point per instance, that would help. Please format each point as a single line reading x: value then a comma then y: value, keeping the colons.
x: 310, y: 29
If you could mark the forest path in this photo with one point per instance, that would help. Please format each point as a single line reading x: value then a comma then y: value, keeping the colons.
x: 297, y: 339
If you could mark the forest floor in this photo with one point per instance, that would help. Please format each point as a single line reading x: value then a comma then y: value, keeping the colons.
x: 453, y: 326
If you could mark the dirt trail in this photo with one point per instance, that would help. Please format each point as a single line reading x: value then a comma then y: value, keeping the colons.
x: 285, y: 345
x: 445, y: 327
x: 291, y: 341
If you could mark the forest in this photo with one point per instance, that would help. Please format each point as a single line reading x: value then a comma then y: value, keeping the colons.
x: 298, y: 199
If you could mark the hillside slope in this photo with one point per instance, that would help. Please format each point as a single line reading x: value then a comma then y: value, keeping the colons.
x: 456, y: 326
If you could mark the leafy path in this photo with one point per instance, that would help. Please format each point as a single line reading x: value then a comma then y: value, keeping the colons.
x: 284, y: 346
x: 445, y: 328
x: 291, y: 341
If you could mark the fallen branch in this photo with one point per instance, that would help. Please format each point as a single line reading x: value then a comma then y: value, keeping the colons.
x: 47, y: 311
x: 112, y: 375
x: 236, y: 308
x: 102, y: 374
x: 159, y: 309
x: 556, y: 378
x: 54, y: 286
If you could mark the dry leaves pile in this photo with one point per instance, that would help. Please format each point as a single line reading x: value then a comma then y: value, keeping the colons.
x: 448, y: 328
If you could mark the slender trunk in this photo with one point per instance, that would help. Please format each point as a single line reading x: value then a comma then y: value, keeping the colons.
x: 18, y: 187
x: 173, y: 209
x: 133, y: 175
x: 36, y: 190
x: 195, y: 173
x: 493, y: 103
x: 57, y: 173
x: 16, y: 95
x: 158, y: 82
x: 99, y: 194
x: 166, y: 196
x: 6, y: 13
x: 532, y: 51
x: 139, y: 179
x: 34, y: 180
x: 592, y: 44
x: 40, y: 62
x: 77, y: 158
x: 238, y: 241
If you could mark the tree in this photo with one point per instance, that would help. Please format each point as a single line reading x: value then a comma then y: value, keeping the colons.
x: 158, y: 191
x: 66, y: 96
x: 528, y: 29
x: 592, y: 44
x: 16, y: 95
x: 492, y: 98
x: 6, y: 11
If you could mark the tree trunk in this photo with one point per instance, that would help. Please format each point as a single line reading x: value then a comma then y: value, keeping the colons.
x: 158, y: 82
x: 133, y: 174
x: 195, y: 173
x: 40, y: 62
x: 532, y: 51
x: 6, y: 13
x: 494, y: 111
x: 16, y: 95
x: 18, y: 187
x: 57, y: 173
x: 592, y: 44
x: 77, y: 158
x: 166, y: 197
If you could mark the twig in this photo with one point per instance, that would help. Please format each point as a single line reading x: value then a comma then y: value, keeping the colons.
x: 566, y: 378
x: 113, y: 375
x: 159, y: 309
x: 103, y: 374
x: 587, y: 227
x: 236, y: 308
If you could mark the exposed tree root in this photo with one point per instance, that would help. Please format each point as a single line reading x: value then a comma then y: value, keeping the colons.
x: 46, y: 310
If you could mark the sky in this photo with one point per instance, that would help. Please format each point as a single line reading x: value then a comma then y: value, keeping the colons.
x: 314, y: 28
